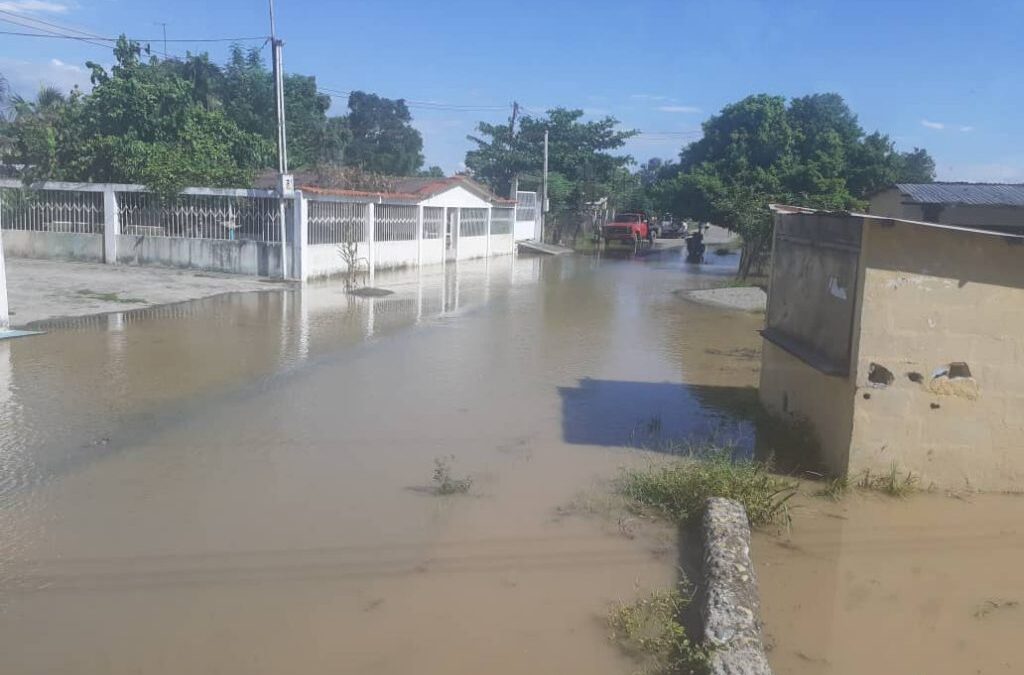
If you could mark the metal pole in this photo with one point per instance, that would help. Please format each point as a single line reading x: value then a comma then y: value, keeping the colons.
x: 544, y: 190
x: 282, y: 138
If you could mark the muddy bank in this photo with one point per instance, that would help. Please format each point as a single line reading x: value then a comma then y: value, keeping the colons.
x: 39, y: 290
x: 744, y: 299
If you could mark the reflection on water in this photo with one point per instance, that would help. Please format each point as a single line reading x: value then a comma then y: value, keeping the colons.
x: 236, y: 484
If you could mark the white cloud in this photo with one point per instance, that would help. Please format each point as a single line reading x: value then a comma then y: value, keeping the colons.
x: 26, y: 77
x: 649, y: 97
x: 678, y: 108
x: 967, y: 127
x: 933, y: 125
x: 36, y: 6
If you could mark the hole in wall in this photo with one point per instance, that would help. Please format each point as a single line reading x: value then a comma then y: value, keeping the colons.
x: 866, y: 396
x: 879, y: 375
x: 935, y: 406
x: 915, y: 377
x: 959, y: 369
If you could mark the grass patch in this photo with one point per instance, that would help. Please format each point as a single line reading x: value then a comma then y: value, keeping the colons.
x: 109, y: 297
x: 444, y: 482
x: 835, y: 488
x: 679, y: 490
x: 649, y: 630
x: 893, y: 483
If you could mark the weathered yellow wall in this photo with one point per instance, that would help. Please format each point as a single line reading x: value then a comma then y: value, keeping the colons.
x: 791, y: 389
x: 932, y: 297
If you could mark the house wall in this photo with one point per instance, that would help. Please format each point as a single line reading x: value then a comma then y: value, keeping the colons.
x: 890, y: 203
x: 790, y: 389
x: 933, y: 297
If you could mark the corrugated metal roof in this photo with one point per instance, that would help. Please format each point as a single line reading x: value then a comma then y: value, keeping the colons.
x: 974, y: 194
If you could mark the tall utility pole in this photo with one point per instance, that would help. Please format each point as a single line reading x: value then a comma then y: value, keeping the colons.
x: 514, y: 190
x: 544, y: 189
x: 285, y: 183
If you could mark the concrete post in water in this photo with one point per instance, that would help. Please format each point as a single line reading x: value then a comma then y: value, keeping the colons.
x: 731, y: 612
x: 111, y: 225
x: 300, y: 237
x: 419, y: 235
x: 371, y: 237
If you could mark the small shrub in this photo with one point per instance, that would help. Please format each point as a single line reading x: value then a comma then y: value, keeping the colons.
x: 649, y: 630
x: 679, y: 490
x: 444, y: 482
x: 892, y: 483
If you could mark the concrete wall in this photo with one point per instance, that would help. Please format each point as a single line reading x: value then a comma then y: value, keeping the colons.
x: 794, y: 391
x: 472, y: 247
x: 934, y: 297
x: 394, y: 254
x: 526, y: 229
x: 501, y: 244
x: 324, y: 260
x: 251, y: 258
x: 53, y: 245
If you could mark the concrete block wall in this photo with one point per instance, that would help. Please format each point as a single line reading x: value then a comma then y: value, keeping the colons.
x: 933, y: 298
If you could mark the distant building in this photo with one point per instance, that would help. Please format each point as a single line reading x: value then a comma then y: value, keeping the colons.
x: 998, y: 206
x: 900, y: 343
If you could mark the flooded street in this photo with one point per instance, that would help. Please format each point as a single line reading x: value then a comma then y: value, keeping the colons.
x: 241, y: 484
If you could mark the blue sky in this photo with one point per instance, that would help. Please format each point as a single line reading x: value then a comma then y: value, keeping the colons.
x: 940, y: 74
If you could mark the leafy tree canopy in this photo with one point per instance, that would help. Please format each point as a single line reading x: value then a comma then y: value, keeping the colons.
x: 811, y: 152
x: 382, y: 138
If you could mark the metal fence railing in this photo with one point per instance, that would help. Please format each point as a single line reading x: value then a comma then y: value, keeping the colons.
x: 501, y: 220
x: 64, y: 211
x: 472, y: 222
x: 394, y: 222
x: 331, y: 222
x: 433, y: 222
x: 526, y: 206
x: 200, y: 216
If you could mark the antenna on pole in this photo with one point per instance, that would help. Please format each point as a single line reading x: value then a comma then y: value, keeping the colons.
x: 163, y: 24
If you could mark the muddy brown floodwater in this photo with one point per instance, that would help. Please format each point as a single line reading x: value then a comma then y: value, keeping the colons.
x: 241, y: 484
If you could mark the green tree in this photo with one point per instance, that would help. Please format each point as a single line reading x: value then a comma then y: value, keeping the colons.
x: 139, y: 124
x: 580, y: 161
x: 381, y: 136
x: 812, y: 152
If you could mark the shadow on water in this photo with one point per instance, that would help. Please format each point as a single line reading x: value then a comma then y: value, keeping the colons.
x: 675, y: 418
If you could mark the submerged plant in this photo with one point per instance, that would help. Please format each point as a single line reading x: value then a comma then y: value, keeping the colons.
x: 649, y: 630
x: 834, y: 488
x: 892, y: 483
x: 444, y: 482
x: 679, y: 490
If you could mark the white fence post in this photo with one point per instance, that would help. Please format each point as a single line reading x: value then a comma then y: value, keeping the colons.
x: 5, y: 314
x: 419, y: 235
x: 371, y: 238
x: 300, y: 237
x: 487, y: 249
x: 111, y: 225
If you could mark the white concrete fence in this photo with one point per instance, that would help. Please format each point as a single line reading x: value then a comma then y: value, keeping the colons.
x: 242, y: 231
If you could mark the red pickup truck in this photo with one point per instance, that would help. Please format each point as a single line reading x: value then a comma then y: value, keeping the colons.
x: 630, y: 228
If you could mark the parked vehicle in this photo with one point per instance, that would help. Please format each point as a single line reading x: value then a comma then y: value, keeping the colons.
x: 633, y: 229
x: 673, y: 229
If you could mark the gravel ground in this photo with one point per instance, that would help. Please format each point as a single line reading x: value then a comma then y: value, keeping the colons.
x: 747, y: 298
x: 46, y: 289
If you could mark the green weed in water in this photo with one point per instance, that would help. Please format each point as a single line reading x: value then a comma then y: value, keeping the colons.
x: 649, y: 630
x: 893, y: 483
x: 444, y: 482
x: 680, y: 489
